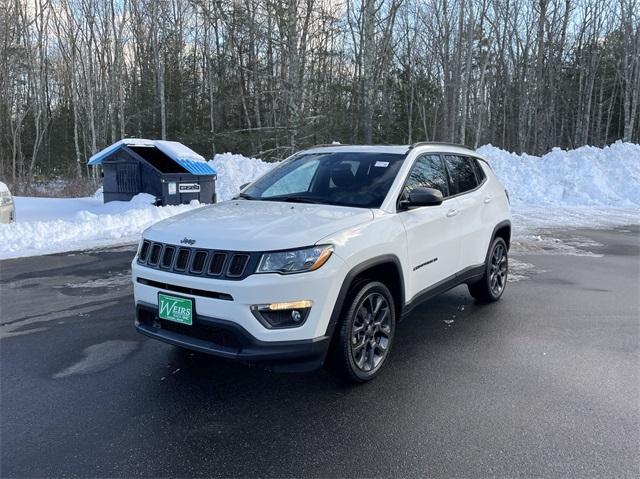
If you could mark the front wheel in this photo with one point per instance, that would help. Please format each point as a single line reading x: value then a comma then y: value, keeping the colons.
x: 494, y: 280
x: 365, y: 333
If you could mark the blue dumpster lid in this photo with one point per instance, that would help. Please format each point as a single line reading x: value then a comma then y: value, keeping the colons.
x: 184, y: 156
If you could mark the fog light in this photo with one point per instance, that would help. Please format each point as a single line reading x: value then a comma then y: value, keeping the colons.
x: 282, y: 315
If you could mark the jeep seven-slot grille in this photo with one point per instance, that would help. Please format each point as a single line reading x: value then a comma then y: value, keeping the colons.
x: 196, y: 261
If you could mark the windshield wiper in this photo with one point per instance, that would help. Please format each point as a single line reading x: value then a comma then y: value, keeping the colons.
x: 297, y: 199
x: 245, y: 197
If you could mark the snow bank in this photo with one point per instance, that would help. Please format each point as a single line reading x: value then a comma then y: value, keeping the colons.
x: 586, y: 187
x: 53, y: 225
x: 50, y: 225
x: 586, y: 176
x: 234, y: 171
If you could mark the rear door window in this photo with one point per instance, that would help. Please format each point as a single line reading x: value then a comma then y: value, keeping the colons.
x: 461, y: 173
x: 480, y: 174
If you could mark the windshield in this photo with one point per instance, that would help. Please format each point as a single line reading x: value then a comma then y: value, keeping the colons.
x: 337, y: 178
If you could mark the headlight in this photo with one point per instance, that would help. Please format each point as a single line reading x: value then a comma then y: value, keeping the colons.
x: 295, y: 261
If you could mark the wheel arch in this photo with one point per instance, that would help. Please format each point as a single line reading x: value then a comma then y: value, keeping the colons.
x: 502, y: 230
x: 379, y: 268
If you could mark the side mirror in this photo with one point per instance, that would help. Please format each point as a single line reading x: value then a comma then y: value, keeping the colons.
x: 422, y: 197
x: 244, y: 185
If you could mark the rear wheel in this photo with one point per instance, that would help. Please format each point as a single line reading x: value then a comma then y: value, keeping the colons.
x: 494, y: 280
x: 365, y: 333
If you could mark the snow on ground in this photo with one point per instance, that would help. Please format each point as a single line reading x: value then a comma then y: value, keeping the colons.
x: 585, y: 187
x: 54, y: 225
x: 582, y: 188
x: 51, y: 225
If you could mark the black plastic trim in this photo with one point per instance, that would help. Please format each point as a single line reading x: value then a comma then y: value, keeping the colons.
x: 258, y: 315
x: 466, y: 275
x: 310, y: 351
x: 185, y: 290
x: 499, y: 226
x: 348, y: 281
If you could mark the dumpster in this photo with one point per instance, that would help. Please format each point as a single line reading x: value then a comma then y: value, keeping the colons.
x: 168, y: 170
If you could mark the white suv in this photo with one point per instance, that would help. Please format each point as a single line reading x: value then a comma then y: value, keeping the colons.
x: 320, y: 258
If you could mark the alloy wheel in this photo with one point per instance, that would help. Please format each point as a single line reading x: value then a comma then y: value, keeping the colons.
x: 371, y: 332
x: 498, y: 270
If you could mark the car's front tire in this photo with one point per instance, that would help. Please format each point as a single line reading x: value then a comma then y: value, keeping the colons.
x: 365, y: 332
x: 493, y: 282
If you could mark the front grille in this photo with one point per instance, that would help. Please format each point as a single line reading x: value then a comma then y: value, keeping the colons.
x: 167, y: 257
x: 217, y: 264
x: 238, y: 263
x: 183, y: 259
x: 233, y: 265
x: 144, y: 251
x: 155, y: 254
x: 197, y: 266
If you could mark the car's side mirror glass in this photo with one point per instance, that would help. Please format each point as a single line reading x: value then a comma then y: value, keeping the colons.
x: 421, y: 197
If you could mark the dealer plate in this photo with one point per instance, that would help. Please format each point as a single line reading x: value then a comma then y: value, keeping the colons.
x: 176, y: 309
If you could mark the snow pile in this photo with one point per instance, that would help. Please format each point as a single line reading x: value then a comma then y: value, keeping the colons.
x: 586, y: 176
x: 52, y: 225
x: 583, y: 187
x: 49, y: 225
x: 234, y: 171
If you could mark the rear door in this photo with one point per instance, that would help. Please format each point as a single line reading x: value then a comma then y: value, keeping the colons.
x: 468, y: 188
x: 432, y: 239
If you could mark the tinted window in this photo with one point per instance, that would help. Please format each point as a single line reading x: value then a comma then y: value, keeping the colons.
x: 345, y: 178
x: 428, y: 172
x: 462, y: 174
x: 480, y: 174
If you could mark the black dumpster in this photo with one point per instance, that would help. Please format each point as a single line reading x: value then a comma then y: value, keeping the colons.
x: 168, y: 170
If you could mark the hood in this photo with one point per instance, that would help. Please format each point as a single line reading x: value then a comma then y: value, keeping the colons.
x: 244, y: 225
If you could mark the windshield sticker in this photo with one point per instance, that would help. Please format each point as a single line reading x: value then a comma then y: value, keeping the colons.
x: 381, y: 164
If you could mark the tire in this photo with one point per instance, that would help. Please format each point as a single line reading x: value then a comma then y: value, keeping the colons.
x: 494, y: 281
x: 364, y: 334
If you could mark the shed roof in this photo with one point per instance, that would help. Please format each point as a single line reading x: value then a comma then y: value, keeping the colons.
x: 184, y: 156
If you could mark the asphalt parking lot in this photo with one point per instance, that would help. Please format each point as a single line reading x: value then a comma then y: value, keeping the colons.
x: 544, y: 383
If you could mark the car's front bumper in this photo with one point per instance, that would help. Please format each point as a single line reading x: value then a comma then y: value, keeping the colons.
x: 232, y: 300
x: 224, y: 324
x: 229, y: 340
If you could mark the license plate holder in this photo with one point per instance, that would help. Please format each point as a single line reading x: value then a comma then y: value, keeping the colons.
x: 177, y: 309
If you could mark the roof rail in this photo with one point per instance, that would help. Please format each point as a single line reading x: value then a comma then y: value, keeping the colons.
x: 442, y: 143
x: 327, y: 145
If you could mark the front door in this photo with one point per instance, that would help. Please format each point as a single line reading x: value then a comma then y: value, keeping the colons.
x: 432, y: 231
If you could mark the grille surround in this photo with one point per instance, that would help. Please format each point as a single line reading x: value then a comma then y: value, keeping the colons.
x: 187, y: 260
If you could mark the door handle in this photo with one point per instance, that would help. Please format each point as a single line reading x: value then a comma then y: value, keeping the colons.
x: 451, y: 213
x: 487, y: 199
